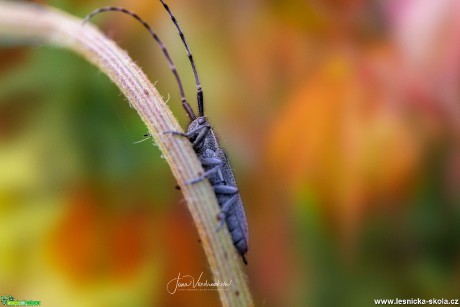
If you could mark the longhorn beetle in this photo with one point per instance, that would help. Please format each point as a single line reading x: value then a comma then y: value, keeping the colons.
x: 204, y: 141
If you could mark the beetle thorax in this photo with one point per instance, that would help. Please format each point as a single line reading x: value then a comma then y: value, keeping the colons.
x: 197, y: 122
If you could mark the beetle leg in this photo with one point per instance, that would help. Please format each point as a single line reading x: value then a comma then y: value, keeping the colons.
x: 208, y: 162
x: 201, y: 136
x: 211, y: 161
x: 221, y: 176
x: 176, y: 133
x: 205, y: 175
x: 228, y: 204
x: 188, y: 134
x: 185, y: 135
x: 225, y: 189
x: 224, y: 210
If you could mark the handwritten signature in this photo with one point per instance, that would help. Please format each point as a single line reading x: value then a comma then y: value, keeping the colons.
x: 187, y: 282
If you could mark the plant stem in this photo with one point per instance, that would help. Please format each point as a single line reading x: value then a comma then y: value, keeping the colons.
x: 25, y: 22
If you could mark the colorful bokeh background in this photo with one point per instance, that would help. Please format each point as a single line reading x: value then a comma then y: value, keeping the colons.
x: 342, y: 122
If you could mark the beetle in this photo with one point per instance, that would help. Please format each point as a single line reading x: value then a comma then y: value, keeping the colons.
x: 205, y: 144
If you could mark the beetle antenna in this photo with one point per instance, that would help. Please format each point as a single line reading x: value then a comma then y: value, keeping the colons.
x: 185, y: 104
x: 199, y: 94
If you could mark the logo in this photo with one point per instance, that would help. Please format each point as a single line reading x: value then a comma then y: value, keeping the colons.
x: 8, y: 300
x: 188, y: 283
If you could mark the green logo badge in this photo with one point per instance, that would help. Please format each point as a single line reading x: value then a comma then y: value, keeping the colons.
x: 9, y: 300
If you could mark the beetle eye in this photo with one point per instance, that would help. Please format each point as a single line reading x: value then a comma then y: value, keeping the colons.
x: 201, y: 120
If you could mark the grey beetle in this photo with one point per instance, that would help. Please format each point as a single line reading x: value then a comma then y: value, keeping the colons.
x: 215, y: 163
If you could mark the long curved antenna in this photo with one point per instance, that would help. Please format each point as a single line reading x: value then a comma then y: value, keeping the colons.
x: 199, y: 94
x: 185, y: 104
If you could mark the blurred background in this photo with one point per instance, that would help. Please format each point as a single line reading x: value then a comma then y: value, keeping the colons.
x: 341, y: 119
